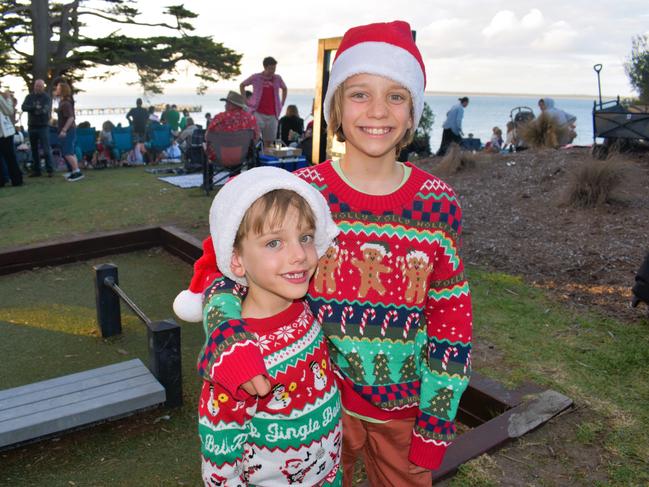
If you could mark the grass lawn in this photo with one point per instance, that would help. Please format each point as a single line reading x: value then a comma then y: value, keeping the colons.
x: 47, y: 328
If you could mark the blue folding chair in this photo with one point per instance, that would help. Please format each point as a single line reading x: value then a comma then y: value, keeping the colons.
x: 87, y: 142
x: 160, y: 138
x: 122, y: 141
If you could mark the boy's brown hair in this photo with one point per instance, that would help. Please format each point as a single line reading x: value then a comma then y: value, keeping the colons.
x: 269, y: 211
x: 335, y: 122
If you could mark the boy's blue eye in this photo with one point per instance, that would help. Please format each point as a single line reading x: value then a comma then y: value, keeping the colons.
x: 273, y: 244
x: 305, y: 239
x: 397, y: 97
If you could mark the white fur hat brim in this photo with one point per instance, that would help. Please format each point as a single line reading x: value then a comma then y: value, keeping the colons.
x: 236, y: 196
x: 382, y: 59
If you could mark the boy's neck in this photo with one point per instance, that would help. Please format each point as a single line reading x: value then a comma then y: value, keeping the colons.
x: 375, y: 176
x: 260, y: 304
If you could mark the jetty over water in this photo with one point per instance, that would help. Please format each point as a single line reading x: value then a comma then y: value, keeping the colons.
x: 113, y: 110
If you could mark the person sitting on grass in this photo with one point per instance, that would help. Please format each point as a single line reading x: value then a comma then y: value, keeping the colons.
x: 268, y: 230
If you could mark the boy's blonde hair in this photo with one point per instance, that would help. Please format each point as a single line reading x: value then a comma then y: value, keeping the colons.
x: 335, y: 122
x: 269, y: 211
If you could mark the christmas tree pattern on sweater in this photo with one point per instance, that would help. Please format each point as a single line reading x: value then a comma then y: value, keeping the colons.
x: 290, y: 437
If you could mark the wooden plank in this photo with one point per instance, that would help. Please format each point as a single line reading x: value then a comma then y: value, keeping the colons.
x: 71, y: 395
x: 499, y: 430
x: 78, y: 248
x: 71, y: 378
x: 47, y: 407
x: 97, y: 409
x: 181, y: 244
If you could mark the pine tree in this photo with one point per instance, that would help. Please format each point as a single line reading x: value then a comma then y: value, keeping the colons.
x: 355, y: 369
x: 440, y: 404
x: 381, y: 370
x: 409, y: 369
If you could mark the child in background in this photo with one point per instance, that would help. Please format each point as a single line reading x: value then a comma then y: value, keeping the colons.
x: 510, y: 137
x: 496, y: 141
x: 399, y: 323
x: 268, y: 230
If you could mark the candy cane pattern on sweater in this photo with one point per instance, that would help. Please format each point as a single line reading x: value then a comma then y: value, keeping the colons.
x: 411, y: 317
x: 447, y: 356
x: 391, y: 315
x: 325, y: 308
x: 467, y: 362
x: 370, y: 314
x: 348, y: 312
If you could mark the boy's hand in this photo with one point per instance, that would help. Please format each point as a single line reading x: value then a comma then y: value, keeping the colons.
x: 257, y: 386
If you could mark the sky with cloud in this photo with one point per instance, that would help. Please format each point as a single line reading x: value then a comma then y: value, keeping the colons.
x: 491, y: 46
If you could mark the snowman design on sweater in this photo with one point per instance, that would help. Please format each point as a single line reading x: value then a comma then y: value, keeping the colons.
x: 292, y: 435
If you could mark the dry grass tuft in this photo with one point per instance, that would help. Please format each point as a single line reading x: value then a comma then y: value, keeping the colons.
x: 594, y: 183
x: 456, y: 160
x: 542, y: 132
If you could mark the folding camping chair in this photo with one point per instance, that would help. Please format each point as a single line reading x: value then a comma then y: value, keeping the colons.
x: 234, y: 152
x: 87, y: 143
x: 194, y: 153
x: 160, y: 140
x: 122, y: 141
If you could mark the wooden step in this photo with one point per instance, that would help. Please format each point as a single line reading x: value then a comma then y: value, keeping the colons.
x: 51, y: 406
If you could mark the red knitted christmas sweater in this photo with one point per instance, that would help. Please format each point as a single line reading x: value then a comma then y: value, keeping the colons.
x: 393, y: 301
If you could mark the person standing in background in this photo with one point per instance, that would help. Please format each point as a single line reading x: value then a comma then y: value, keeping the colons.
x: 265, y: 102
x: 453, y: 125
x: 173, y: 120
x: 67, y: 128
x: 39, y: 107
x: 7, y: 131
x: 137, y: 118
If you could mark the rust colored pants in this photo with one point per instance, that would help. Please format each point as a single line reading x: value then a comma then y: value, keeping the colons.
x: 384, y: 448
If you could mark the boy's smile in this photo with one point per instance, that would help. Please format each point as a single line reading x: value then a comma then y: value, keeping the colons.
x: 278, y: 264
x: 376, y: 113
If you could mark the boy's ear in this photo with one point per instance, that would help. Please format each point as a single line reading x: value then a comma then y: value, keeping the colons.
x: 236, y: 265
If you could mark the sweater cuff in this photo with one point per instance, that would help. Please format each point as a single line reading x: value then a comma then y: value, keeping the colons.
x: 426, y: 454
x: 238, y: 365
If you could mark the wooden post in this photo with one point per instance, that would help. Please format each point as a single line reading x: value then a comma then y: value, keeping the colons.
x: 107, y: 302
x: 325, y: 49
x: 164, y: 358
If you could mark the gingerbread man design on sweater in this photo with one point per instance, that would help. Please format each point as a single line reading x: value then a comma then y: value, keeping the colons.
x: 416, y: 270
x: 371, y: 267
x: 324, y: 280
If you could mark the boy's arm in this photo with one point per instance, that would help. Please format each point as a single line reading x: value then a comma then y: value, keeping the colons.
x: 230, y: 355
x: 223, y: 429
x: 445, y: 366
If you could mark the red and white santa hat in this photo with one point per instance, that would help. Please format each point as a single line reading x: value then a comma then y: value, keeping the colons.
x: 227, y: 212
x: 386, y: 49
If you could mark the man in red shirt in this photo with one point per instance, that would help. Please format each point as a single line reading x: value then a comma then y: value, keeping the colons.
x: 234, y: 118
x: 265, y: 101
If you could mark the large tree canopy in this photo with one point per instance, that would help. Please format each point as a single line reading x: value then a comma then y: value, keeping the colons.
x: 637, y: 67
x: 48, y: 39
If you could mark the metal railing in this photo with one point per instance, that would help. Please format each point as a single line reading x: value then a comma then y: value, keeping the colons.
x: 163, y: 337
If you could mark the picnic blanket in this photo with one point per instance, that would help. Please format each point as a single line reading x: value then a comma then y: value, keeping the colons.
x: 194, y: 180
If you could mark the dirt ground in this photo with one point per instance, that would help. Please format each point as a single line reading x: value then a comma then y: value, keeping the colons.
x: 516, y: 221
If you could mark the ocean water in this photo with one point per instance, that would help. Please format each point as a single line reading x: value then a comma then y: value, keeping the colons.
x: 483, y: 113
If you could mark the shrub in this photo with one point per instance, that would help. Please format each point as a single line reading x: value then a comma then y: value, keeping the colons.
x: 542, y: 132
x: 456, y: 160
x: 594, y: 183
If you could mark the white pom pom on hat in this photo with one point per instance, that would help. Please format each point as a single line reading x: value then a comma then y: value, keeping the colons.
x: 385, y: 49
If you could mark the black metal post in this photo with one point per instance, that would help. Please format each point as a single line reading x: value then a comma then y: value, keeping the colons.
x: 108, y: 311
x: 164, y: 358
